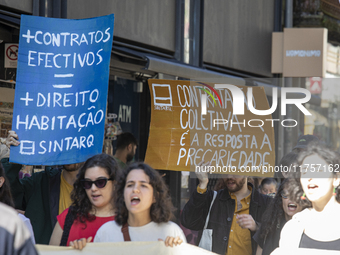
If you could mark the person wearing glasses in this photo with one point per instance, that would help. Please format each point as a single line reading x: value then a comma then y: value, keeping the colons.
x: 91, y: 203
x: 280, y: 210
x: 144, y: 210
x: 268, y: 186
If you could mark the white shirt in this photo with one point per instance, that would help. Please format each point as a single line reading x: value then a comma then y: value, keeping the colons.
x: 28, y: 225
x: 111, y: 232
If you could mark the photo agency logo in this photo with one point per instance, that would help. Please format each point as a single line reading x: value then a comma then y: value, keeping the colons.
x: 238, y: 102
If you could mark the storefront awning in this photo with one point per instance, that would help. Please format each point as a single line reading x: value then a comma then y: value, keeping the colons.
x: 178, y: 69
x: 152, y: 64
x: 10, y: 19
x: 138, y: 63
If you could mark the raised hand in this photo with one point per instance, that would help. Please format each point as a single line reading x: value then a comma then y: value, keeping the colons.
x: 12, y: 139
x: 202, y: 175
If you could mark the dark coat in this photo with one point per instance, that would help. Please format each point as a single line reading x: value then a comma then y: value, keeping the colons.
x: 196, y: 210
x: 38, y: 196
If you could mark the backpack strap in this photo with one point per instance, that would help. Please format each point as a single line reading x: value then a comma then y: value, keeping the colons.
x: 125, y: 231
x: 67, y: 227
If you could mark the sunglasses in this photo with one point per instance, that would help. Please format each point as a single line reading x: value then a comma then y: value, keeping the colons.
x: 100, y: 183
x: 283, y: 195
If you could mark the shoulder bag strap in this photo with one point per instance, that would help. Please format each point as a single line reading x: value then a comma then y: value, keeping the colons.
x: 125, y: 231
x: 208, y: 216
x: 67, y: 227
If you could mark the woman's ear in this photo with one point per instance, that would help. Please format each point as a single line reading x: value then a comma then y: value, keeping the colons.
x: 2, y: 181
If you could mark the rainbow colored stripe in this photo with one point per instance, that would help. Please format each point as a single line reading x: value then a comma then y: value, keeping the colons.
x: 213, y: 90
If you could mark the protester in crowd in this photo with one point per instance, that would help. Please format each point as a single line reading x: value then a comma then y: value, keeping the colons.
x: 91, y: 202
x: 234, y: 216
x: 14, y: 236
x: 42, y: 196
x: 268, y: 186
x: 6, y: 198
x: 286, y: 165
x: 303, y: 142
x: 125, y: 149
x: 279, y: 211
x: 143, y: 207
x: 316, y: 227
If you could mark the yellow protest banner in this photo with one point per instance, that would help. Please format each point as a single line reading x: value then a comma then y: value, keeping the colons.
x: 194, y: 121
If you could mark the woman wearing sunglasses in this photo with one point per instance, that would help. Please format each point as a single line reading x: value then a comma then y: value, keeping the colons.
x: 316, y: 227
x: 143, y: 207
x: 91, y: 203
x: 280, y: 210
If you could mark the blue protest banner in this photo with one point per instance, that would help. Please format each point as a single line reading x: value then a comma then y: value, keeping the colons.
x: 61, y: 89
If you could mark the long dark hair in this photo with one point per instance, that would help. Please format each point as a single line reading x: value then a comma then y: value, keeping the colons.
x: 274, y: 215
x: 5, y: 190
x: 81, y: 205
x: 331, y: 157
x: 161, y: 210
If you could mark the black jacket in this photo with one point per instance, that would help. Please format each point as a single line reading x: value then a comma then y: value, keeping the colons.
x: 196, y: 210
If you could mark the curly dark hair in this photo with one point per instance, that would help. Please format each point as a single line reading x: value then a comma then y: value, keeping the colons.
x: 274, y: 214
x: 81, y: 205
x: 161, y: 210
x: 5, y: 190
x: 316, y: 148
